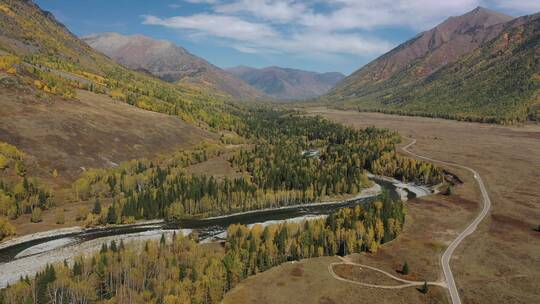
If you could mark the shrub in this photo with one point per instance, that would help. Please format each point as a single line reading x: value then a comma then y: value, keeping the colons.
x: 97, y: 207
x: 82, y: 213
x: 6, y: 229
x: 60, y: 218
x: 424, y: 289
x: 3, y: 162
x: 91, y: 220
x: 12, y: 212
x: 36, y: 215
x: 405, y: 268
x: 128, y: 220
x: 448, y: 191
x: 20, y: 168
x: 175, y: 212
x: 8, y: 62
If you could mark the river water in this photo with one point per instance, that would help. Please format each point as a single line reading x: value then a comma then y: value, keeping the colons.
x: 28, y: 257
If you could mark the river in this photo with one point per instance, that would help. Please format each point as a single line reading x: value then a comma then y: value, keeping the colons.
x: 29, y: 256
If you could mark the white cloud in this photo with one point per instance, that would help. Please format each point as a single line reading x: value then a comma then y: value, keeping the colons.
x: 367, y: 14
x: 246, y: 49
x: 250, y: 37
x: 271, y: 10
x: 323, y: 27
x: 522, y: 6
x: 216, y: 25
x: 330, y: 43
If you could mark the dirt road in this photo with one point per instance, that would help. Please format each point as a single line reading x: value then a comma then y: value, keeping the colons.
x: 445, y: 259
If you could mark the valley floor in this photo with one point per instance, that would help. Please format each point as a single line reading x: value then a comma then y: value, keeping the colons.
x: 496, y: 264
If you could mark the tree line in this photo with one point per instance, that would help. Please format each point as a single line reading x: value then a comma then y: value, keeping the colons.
x: 181, y: 270
x: 360, y: 229
x: 19, y: 193
x: 276, y: 172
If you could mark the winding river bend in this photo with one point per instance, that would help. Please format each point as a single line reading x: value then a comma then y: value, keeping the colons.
x: 29, y: 256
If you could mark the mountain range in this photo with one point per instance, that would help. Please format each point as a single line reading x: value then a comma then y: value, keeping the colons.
x: 173, y: 63
x: 287, y: 84
x: 480, y: 66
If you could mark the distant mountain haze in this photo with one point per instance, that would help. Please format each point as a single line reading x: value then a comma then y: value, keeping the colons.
x: 169, y: 62
x: 173, y: 63
x: 287, y: 84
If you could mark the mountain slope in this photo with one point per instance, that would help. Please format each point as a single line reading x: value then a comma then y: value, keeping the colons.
x: 47, y: 47
x: 71, y: 107
x: 47, y: 55
x: 169, y: 62
x: 283, y: 83
x: 496, y: 81
x: 92, y: 131
x: 427, y: 52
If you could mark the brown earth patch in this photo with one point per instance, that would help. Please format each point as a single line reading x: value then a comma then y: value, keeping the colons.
x: 507, y: 159
x: 326, y: 300
x: 92, y: 131
x: 500, y: 224
x: 298, y: 271
x: 219, y: 167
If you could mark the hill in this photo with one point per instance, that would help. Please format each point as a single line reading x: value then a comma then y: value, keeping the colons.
x: 43, y: 52
x: 169, y: 62
x: 287, y: 84
x: 478, y: 66
x: 69, y: 106
x: 92, y: 131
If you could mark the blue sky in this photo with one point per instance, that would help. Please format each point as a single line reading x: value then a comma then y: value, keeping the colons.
x: 317, y: 35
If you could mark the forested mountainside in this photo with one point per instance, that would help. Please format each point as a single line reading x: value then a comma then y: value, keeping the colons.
x: 169, y: 62
x: 69, y: 107
x: 288, y: 84
x: 494, y: 78
x: 43, y: 54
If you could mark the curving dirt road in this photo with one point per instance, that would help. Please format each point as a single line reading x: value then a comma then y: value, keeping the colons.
x: 447, y: 255
x: 406, y: 283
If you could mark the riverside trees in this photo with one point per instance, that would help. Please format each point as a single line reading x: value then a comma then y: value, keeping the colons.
x: 182, y: 271
x: 344, y: 232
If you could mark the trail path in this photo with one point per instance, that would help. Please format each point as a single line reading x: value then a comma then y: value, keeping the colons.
x: 406, y: 283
